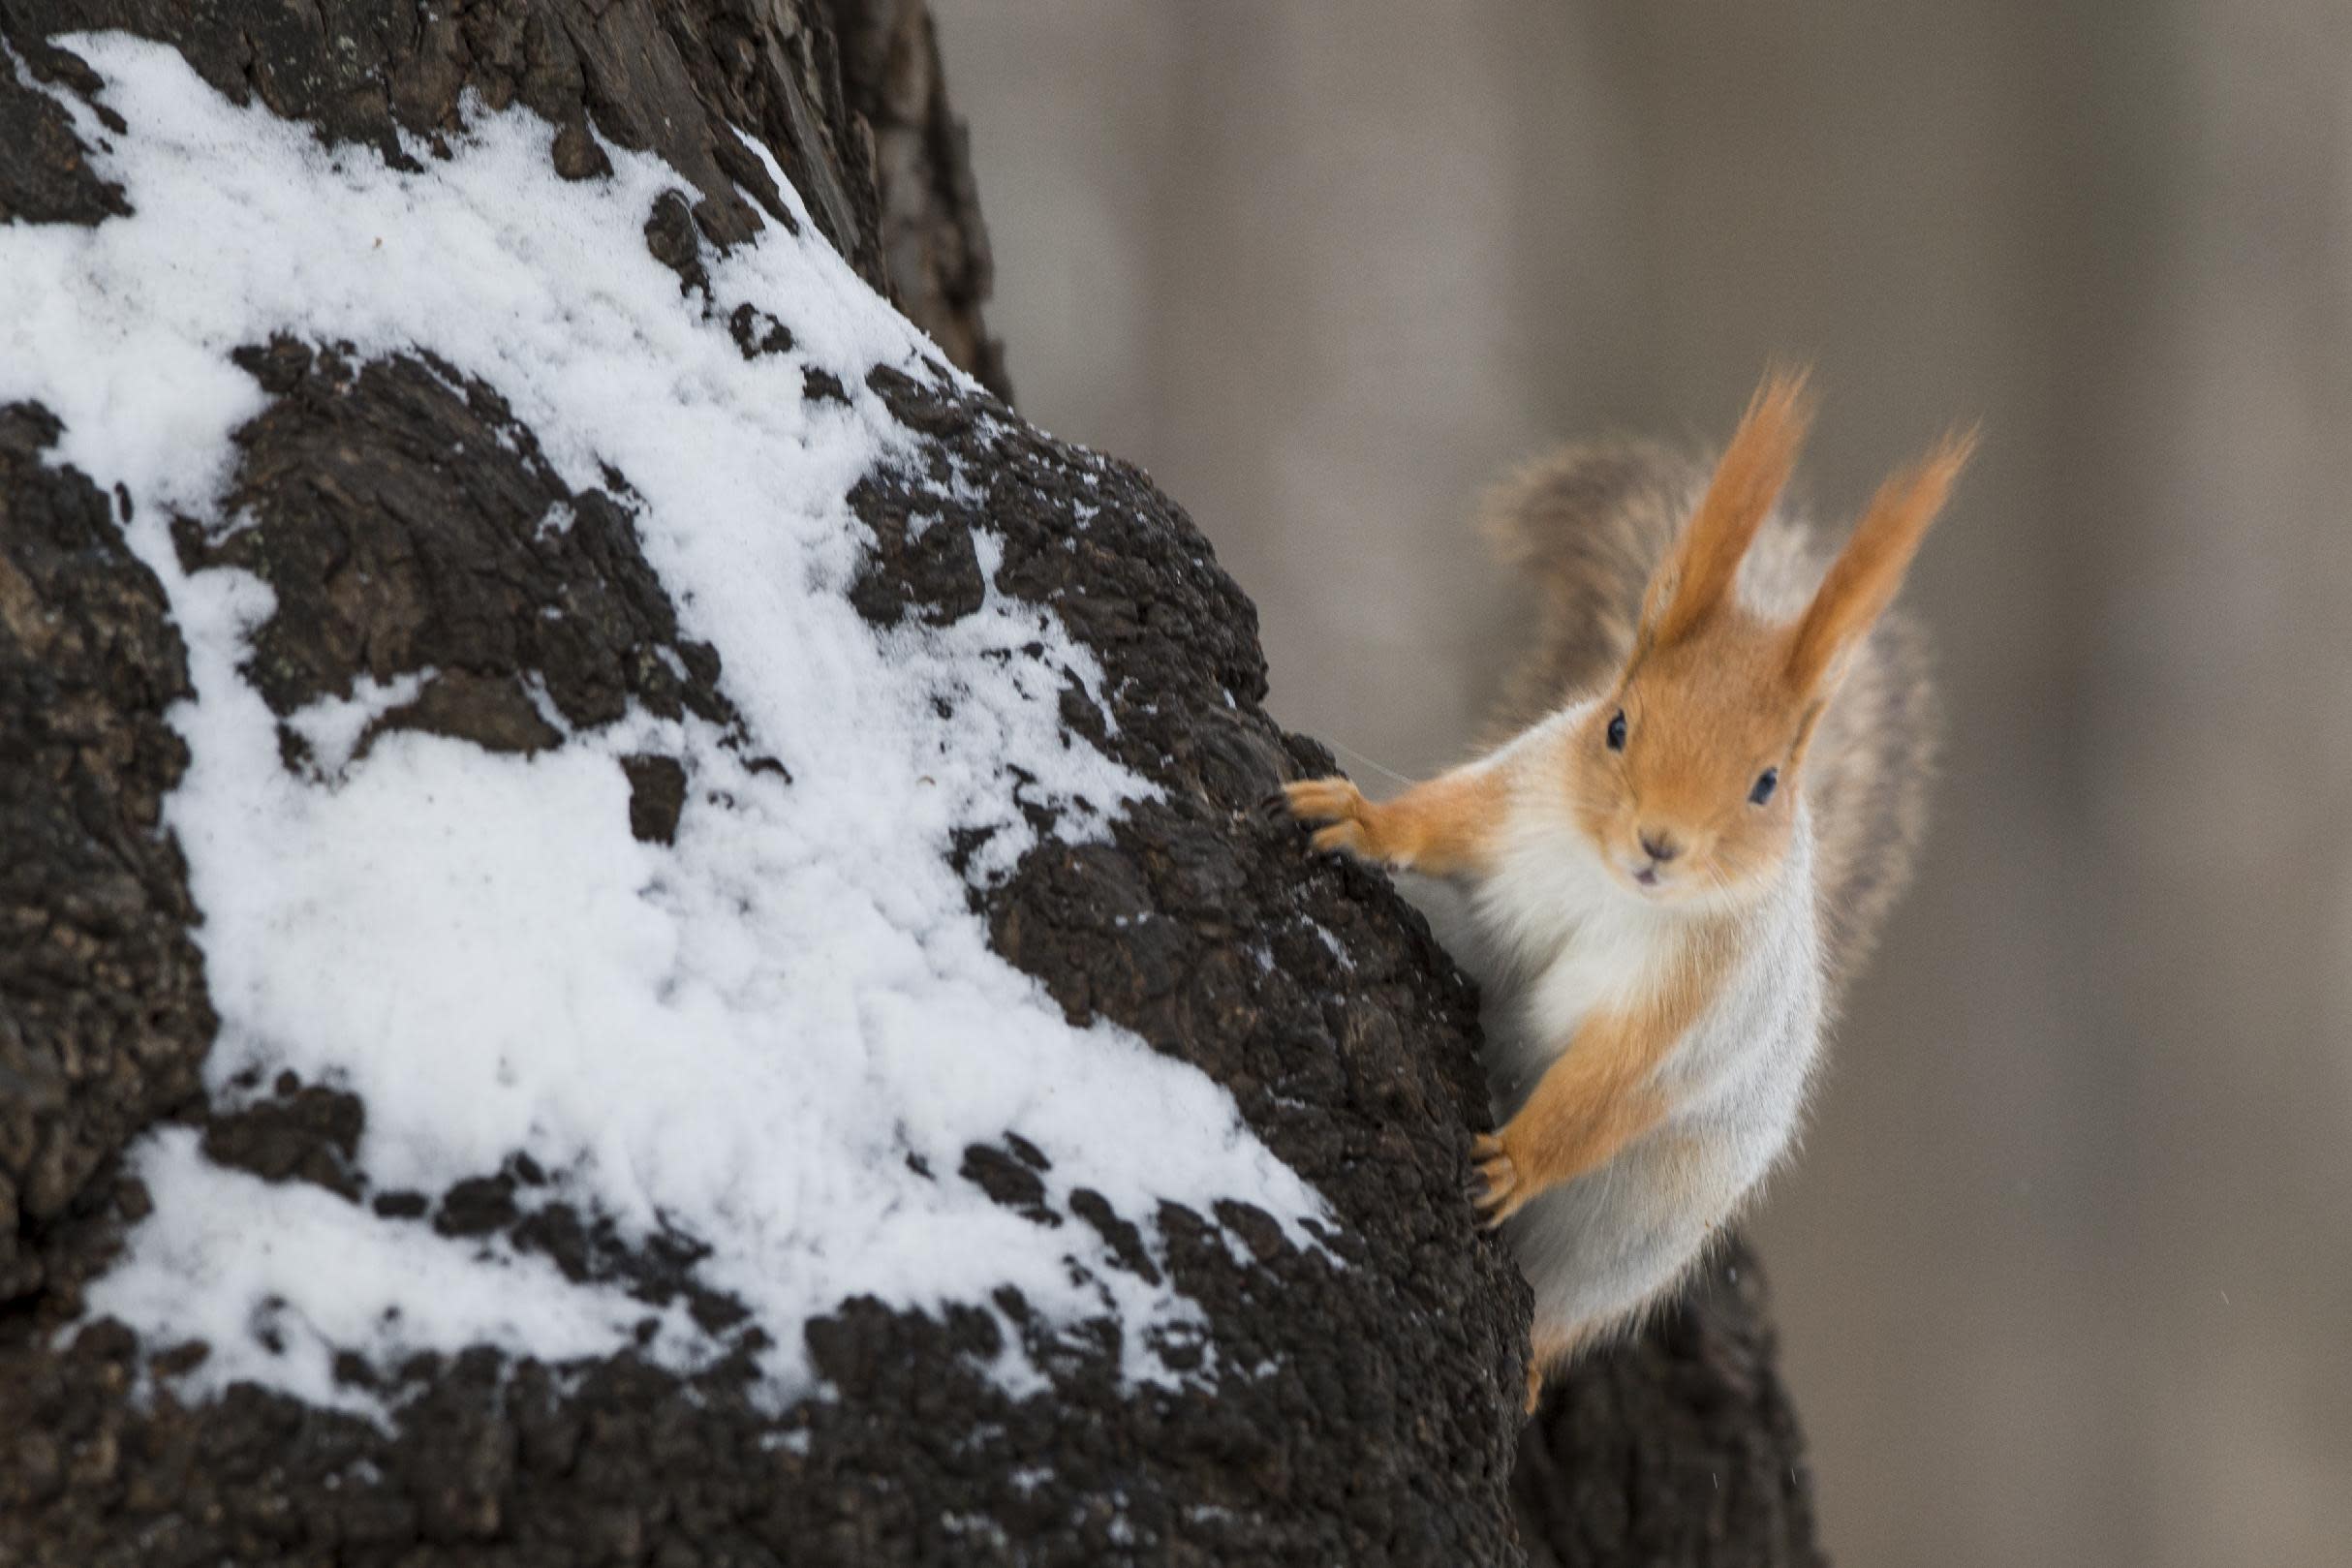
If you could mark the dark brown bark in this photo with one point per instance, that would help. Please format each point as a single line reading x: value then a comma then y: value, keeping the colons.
x: 934, y: 243
x: 1384, y: 1429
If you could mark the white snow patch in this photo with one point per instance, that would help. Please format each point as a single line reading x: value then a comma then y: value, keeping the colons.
x: 332, y: 726
x: 1331, y: 943
x: 236, y: 1261
x: 746, y: 1036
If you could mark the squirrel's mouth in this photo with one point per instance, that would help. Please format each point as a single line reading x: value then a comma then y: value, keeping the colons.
x: 1647, y: 876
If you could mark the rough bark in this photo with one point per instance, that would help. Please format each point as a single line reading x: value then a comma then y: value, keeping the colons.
x: 934, y: 245
x: 1387, y: 1431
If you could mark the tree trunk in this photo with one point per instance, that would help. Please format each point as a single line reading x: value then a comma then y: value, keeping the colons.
x: 1338, y: 1389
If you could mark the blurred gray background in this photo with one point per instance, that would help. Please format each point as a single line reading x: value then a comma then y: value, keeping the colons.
x: 2064, y: 1272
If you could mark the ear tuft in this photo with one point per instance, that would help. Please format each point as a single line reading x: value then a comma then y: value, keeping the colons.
x: 1862, y: 582
x: 1754, y: 468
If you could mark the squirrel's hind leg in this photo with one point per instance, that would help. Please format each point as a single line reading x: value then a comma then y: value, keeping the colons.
x: 1550, y: 1347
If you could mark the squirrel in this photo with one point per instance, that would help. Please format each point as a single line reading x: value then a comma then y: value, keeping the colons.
x: 1713, y: 784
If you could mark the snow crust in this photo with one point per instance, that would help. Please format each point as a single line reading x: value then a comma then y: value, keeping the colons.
x: 748, y: 1038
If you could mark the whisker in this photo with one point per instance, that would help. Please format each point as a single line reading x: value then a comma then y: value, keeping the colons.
x: 1357, y: 757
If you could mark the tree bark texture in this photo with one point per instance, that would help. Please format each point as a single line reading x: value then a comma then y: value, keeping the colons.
x: 1390, y: 1431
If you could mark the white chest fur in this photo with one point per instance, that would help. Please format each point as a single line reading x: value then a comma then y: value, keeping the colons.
x: 1547, y: 934
x: 1552, y: 938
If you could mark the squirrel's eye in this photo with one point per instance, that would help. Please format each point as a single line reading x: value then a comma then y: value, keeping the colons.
x: 1617, y: 731
x: 1766, y: 783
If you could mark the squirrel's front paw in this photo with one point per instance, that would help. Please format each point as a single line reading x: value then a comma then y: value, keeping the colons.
x: 1341, y: 804
x: 1502, y: 1185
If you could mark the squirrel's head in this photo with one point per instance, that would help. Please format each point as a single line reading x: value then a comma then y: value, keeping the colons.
x: 1687, y: 775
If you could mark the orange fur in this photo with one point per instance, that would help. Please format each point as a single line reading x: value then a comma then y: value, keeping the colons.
x: 1602, y: 1093
x: 1547, y: 1348
x: 1704, y: 716
x: 1712, y: 693
x: 1753, y: 470
x: 1445, y: 827
x: 1862, y: 582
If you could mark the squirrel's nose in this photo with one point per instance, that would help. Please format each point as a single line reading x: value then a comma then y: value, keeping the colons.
x: 1660, y: 845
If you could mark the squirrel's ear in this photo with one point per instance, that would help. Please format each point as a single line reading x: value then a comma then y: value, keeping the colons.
x: 1698, y: 574
x: 1863, y: 580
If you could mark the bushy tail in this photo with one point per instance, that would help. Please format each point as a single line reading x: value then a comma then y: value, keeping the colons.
x: 1588, y: 525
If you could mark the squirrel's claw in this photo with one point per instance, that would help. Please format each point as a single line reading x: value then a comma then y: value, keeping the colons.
x: 1499, y: 1194
x: 1333, y: 801
x: 1340, y: 838
x: 1323, y: 800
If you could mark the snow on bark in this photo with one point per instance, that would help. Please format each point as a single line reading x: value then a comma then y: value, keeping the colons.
x: 756, y: 1011
x: 764, y: 1038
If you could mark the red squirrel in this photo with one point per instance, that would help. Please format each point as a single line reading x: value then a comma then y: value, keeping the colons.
x: 1713, y: 782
